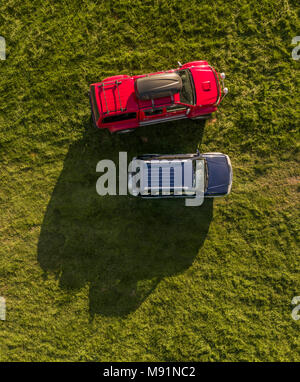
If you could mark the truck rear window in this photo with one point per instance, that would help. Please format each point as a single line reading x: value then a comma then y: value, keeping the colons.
x: 174, y: 108
x: 150, y: 112
x: 119, y: 117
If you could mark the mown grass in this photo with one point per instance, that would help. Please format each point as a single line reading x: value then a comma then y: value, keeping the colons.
x: 119, y: 279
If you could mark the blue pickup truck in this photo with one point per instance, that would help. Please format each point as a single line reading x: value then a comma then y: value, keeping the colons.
x: 161, y: 176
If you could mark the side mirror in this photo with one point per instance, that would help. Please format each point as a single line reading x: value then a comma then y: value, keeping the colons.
x: 222, y: 75
x: 225, y: 91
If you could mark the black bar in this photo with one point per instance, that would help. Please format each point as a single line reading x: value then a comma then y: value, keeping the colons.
x: 138, y: 370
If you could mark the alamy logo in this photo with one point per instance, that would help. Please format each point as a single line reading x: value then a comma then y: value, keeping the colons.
x: 2, y: 309
x: 296, y: 50
x: 296, y: 310
x: 155, y: 178
x: 2, y: 48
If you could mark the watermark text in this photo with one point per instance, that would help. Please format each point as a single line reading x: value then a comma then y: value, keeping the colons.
x: 2, y: 48
x: 153, y: 178
x: 296, y: 50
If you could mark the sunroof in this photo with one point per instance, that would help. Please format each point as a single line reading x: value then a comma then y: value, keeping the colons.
x: 164, y: 176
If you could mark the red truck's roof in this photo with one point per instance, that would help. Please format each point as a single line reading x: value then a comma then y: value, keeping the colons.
x: 111, y: 103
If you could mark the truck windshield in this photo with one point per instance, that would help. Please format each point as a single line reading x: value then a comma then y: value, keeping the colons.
x: 187, y: 93
x: 205, y: 174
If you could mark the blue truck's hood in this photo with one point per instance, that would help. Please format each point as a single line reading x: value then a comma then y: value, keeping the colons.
x: 218, y: 174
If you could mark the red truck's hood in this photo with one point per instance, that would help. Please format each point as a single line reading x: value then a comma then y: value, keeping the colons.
x: 206, y: 84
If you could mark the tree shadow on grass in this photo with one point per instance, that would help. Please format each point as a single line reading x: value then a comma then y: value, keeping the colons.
x: 121, y: 246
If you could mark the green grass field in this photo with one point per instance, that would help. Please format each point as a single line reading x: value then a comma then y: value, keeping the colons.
x: 90, y: 278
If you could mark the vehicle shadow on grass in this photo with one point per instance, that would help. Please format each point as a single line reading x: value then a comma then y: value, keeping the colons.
x: 121, y: 246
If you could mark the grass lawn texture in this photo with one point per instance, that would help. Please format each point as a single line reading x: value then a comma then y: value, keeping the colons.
x: 116, y: 278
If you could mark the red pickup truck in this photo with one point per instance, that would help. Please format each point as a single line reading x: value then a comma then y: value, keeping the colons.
x: 123, y: 103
